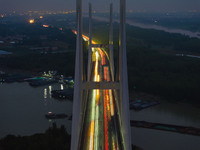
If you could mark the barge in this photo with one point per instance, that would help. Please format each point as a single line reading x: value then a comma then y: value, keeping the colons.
x: 166, y: 127
x: 139, y: 104
x: 50, y: 115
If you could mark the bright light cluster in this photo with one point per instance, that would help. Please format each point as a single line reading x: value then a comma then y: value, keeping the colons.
x: 31, y: 21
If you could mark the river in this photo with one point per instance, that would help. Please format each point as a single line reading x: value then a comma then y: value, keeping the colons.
x: 23, y: 109
x: 156, y: 27
x: 168, y: 113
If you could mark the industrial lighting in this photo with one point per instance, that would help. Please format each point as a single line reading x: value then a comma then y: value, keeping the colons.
x: 31, y: 21
x: 45, y: 26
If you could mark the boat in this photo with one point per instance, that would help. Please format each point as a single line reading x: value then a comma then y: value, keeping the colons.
x: 63, y: 94
x: 51, y: 115
x: 42, y: 82
x: 166, y: 127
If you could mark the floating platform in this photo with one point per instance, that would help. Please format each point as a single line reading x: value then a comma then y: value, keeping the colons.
x: 50, y: 115
x: 139, y: 104
x: 166, y: 127
x: 13, y: 78
x: 41, y: 82
x: 63, y: 94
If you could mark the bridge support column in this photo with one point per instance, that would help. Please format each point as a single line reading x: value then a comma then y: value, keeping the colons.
x: 123, y: 79
x: 111, y: 53
x: 76, y: 121
x: 90, y: 43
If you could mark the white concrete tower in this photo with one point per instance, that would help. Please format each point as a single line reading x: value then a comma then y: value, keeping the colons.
x: 76, y: 121
x: 123, y: 78
x: 90, y: 43
x: 111, y: 54
x: 101, y: 104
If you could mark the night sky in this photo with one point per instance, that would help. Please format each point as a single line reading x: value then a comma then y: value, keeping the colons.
x: 135, y: 5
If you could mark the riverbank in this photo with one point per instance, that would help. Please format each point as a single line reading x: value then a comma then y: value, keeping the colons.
x: 133, y: 96
x: 155, y: 27
x: 29, y: 106
x: 39, y: 62
x: 53, y: 138
x: 167, y: 112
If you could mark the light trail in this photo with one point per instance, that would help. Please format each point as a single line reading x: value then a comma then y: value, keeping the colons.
x: 103, y: 62
x: 105, y: 121
x: 91, y: 135
x: 95, y: 108
x: 100, y: 63
x: 97, y: 79
x: 111, y: 103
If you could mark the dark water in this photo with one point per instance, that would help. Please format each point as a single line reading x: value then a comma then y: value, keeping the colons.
x: 169, y: 113
x: 22, y: 110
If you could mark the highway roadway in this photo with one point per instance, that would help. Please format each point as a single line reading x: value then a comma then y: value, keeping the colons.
x: 101, y: 129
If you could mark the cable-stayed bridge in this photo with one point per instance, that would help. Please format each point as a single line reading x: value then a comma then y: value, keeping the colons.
x: 101, y: 103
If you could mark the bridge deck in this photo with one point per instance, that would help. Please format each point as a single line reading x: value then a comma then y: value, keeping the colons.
x: 101, y: 129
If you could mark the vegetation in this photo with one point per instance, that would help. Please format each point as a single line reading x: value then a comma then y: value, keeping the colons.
x: 35, y: 48
x: 134, y: 147
x: 168, y: 76
x: 154, y: 68
x: 34, y: 38
x: 161, y: 41
x: 53, y: 139
x: 62, y: 62
x: 182, y: 20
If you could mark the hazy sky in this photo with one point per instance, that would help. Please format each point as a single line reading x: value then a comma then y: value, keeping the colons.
x: 135, y: 5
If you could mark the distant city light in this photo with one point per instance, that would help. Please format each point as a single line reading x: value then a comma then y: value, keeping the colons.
x: 130, y: 11
x: 61, y: 29
x: 46, y: 26
x: 31, y: 21
x: 41, y: 17
x: 61, y: 87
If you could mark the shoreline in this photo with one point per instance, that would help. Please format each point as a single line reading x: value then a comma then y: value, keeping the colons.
x: 156, y: 27
x: 133, y: 95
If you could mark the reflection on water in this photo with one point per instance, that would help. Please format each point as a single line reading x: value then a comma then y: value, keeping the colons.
x: 45, y: 102
x: 45, y: 93
x: 23, y: 109
x: 45, y: 97
x: 61, y: 86
x: 50, y: 89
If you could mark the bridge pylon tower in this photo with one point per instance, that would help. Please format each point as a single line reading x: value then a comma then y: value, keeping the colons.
x: 101, y: 118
